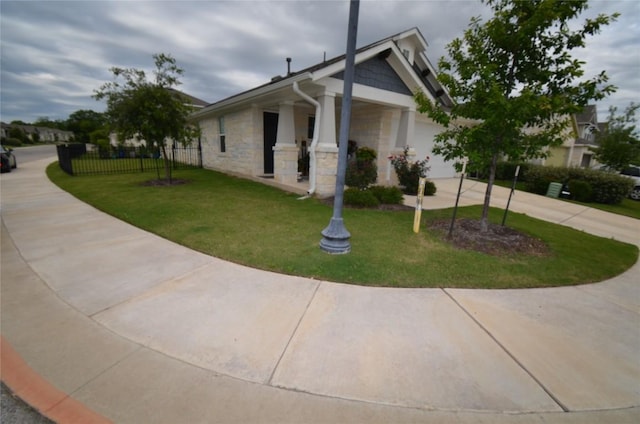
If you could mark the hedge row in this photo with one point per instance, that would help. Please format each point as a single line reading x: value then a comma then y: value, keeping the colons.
x: 14, y: 142
x: 585, y: 185
x: 373, y: 196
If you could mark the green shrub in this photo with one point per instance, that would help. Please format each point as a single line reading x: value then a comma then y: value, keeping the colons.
x: 539, y: 178
x: 387, y: 195
x: 362, y: 171
x: 15, y: 132
x: 360, y: 198
x: 11, y: 141
x: 581, y: 191
x: 606, y: 188
x: 303, y: 165
x: 409, y: 173
x: 506, y: 171
x: 429, y: 188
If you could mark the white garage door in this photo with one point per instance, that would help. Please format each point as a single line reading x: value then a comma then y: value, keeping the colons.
x: 423, y: 144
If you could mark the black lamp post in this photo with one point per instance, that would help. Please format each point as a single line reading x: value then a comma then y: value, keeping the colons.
x: 335, y: 238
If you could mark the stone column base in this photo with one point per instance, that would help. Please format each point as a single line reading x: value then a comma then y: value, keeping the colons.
x: 285, y: 163
x: 326, y: 170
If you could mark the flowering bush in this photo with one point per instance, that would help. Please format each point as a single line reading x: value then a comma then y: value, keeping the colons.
x: 409, y: 173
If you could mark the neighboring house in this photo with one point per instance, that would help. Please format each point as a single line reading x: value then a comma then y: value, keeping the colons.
x: 50, y: 135
x: 575, y: 151
x: 41, y: 134
x: 4, y: 130
x: 263, y: 132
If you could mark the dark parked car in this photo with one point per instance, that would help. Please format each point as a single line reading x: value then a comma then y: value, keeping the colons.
x: 8, y: 159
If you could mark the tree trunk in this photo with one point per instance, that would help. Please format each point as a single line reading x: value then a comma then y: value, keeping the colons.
x: 167, y: 163
x: 484, y: 221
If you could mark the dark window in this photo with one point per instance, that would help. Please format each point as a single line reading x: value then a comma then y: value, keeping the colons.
x: 311, y: 126
x: 223, y: 145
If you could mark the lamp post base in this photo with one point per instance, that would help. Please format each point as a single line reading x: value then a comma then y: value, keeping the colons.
x: 335, y: 238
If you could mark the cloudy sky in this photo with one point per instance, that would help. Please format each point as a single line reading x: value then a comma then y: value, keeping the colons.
x: 55, y: 54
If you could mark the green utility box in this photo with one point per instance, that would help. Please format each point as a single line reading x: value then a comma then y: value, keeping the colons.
x: 554, y: 190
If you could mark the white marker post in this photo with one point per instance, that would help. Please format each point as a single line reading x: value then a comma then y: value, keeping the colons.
x: 416, y: 218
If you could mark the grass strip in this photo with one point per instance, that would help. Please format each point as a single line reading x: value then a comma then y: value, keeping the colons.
x: 260, y: 226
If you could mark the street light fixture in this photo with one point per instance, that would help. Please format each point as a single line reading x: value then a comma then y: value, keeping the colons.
x: 335, y: 238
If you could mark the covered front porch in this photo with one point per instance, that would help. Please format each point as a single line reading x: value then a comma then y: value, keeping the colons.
x: 307, y: 129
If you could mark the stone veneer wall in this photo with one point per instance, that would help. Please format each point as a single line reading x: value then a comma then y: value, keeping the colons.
x: 243, y: 139
x: 371, y: 126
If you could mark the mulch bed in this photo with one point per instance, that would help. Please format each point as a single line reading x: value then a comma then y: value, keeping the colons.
x: 497, y: 241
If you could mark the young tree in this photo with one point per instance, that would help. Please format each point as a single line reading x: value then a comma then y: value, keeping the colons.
x: 619, y: 143
x: 152, y: 111
x: 514, y: 83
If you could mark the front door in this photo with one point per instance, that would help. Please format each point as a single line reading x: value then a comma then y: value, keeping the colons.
x: 270, y: 135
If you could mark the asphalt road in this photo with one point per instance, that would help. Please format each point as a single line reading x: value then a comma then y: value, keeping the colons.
x: 33, y: 153
x: 12, y: 409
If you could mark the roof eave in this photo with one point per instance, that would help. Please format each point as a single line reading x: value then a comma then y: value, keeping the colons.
x: 251, y: 95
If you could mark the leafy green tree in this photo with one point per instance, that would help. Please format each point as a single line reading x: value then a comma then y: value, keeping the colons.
x: 513, y: 80
x: 619, y: 143
x: 84, y: 122
x: 45, y: 121
x: 19, y: 134
x: 148, y: 110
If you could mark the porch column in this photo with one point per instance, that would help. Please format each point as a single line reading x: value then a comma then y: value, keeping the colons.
x: 404, y: 138
x: 406, y: 128
x: 327, y: 119
x: 285, y: 152
x: 327, y: 148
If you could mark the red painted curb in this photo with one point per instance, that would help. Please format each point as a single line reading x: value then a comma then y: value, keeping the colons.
x: 39, y: 393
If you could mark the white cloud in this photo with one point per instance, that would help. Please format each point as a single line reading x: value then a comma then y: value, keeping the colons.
x: 54, y: 54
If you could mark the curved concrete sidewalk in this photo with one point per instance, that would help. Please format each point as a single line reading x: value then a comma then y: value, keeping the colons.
x: 139, y: 329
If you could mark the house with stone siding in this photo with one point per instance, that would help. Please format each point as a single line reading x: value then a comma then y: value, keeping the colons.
x: 267, y: 133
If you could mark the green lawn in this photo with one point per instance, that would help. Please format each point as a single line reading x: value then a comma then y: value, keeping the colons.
x: 260, y: 226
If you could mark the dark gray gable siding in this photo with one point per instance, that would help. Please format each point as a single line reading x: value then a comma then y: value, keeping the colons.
x: 376, y: 72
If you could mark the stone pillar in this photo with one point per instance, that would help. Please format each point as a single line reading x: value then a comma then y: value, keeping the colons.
x: 285, y: 152
x: 327, y: 149
x: 326, y: 170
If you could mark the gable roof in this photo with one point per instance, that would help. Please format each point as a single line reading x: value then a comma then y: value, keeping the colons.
x: 588, y: 115
x: 417, y: 74
x: 188, y: 99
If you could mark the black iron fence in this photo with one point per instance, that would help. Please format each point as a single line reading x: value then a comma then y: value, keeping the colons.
x: 89, y: 159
